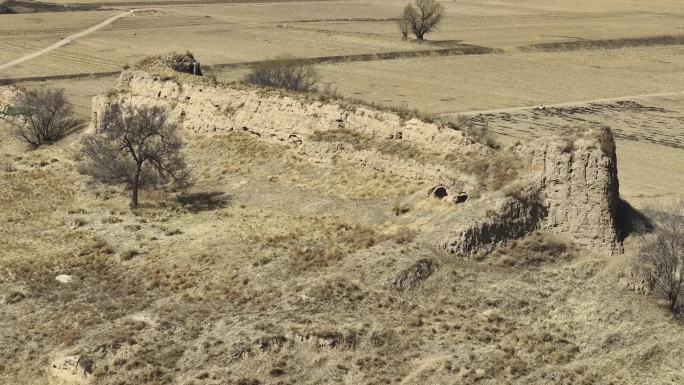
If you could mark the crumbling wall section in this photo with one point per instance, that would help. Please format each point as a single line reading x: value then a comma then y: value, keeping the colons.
x: 567, y: 186
x: 579, y: 187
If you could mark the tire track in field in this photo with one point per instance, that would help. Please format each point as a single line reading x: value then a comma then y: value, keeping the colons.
x: 654, y: 122
x: 558, y: 105
x: 71, y: 58
x: 65, y: 41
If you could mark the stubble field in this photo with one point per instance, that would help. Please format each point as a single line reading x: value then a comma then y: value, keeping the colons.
x: 219, y: 287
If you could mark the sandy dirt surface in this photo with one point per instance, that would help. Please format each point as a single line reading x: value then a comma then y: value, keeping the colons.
x: 64, y: 41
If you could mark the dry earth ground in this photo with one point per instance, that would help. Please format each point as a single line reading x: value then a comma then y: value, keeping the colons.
x: 227, y: 285
x: 276, y: 270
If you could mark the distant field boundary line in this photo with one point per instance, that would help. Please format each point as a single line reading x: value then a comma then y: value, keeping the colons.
x: 565, y: 104
x: 462, y: 50
x: 584, y: 44
x: 87, y: 75
x: 65, y: 41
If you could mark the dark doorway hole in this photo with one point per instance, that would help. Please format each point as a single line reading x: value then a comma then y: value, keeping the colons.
x: 461, y: 197
x: 440, y: 192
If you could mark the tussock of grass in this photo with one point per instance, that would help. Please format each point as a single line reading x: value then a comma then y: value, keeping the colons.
x: 128, y: 254
x: 496, y: 170
x: 535, y: 250
x: 243, y: 154
x: 398, y: 148
x: 329, y: 242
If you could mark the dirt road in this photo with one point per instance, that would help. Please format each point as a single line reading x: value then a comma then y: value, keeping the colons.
x: 65, y: 41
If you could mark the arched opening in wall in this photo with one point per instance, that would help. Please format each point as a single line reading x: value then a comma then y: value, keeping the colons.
x: 440, y: 192
x: 461, y: 197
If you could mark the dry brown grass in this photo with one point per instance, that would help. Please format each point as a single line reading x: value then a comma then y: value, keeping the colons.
x: 243, y: 154
x: 251, y: 291
x: 396, y: 148
x: 496, y: 170
x: 220, y: 302
x: 534, y: 250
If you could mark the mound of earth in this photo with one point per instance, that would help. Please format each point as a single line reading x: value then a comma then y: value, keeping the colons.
x: 183, y: 63
x: 307, y: 251
x: 567, y: 185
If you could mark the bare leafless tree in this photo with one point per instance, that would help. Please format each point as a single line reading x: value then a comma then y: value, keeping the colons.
x: 138, y: 147
x: 661, y: 256
x: 43, y: 116
x: 423, y: 17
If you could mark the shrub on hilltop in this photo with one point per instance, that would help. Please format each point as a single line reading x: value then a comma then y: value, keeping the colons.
x: 179, y: 62
x: 284, y: 72
x: 43, y: 116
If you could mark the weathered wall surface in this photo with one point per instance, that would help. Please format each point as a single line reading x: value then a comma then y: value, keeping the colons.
x: 511, y: 219
x: 283, y: 119
x: 567, y: 187
x: 579, y: 188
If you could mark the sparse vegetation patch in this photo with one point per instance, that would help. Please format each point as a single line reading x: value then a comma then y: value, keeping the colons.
x: 43, y: 116
x: 661, y: 256
x: 284, y: 72
x: 183, y: 63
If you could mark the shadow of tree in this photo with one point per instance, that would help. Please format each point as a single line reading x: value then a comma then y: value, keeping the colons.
x: 203, y: 201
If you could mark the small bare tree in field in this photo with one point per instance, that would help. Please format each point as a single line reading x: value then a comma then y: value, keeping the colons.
x: 661, y: 256
x: 43, y: 116
x: 422, y: 17
x: 138, y: 147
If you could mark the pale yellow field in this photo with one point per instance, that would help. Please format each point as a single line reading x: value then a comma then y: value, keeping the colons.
x: 222, y: 289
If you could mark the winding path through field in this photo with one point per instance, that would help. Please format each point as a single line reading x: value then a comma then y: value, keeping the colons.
x: 65, y: 41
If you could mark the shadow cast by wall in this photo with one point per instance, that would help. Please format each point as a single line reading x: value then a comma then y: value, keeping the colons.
x: 629, y: 220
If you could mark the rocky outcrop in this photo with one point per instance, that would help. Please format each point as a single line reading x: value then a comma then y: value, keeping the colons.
x: 511, y: 218
x: 414, y: 275
x: 567, y: 186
